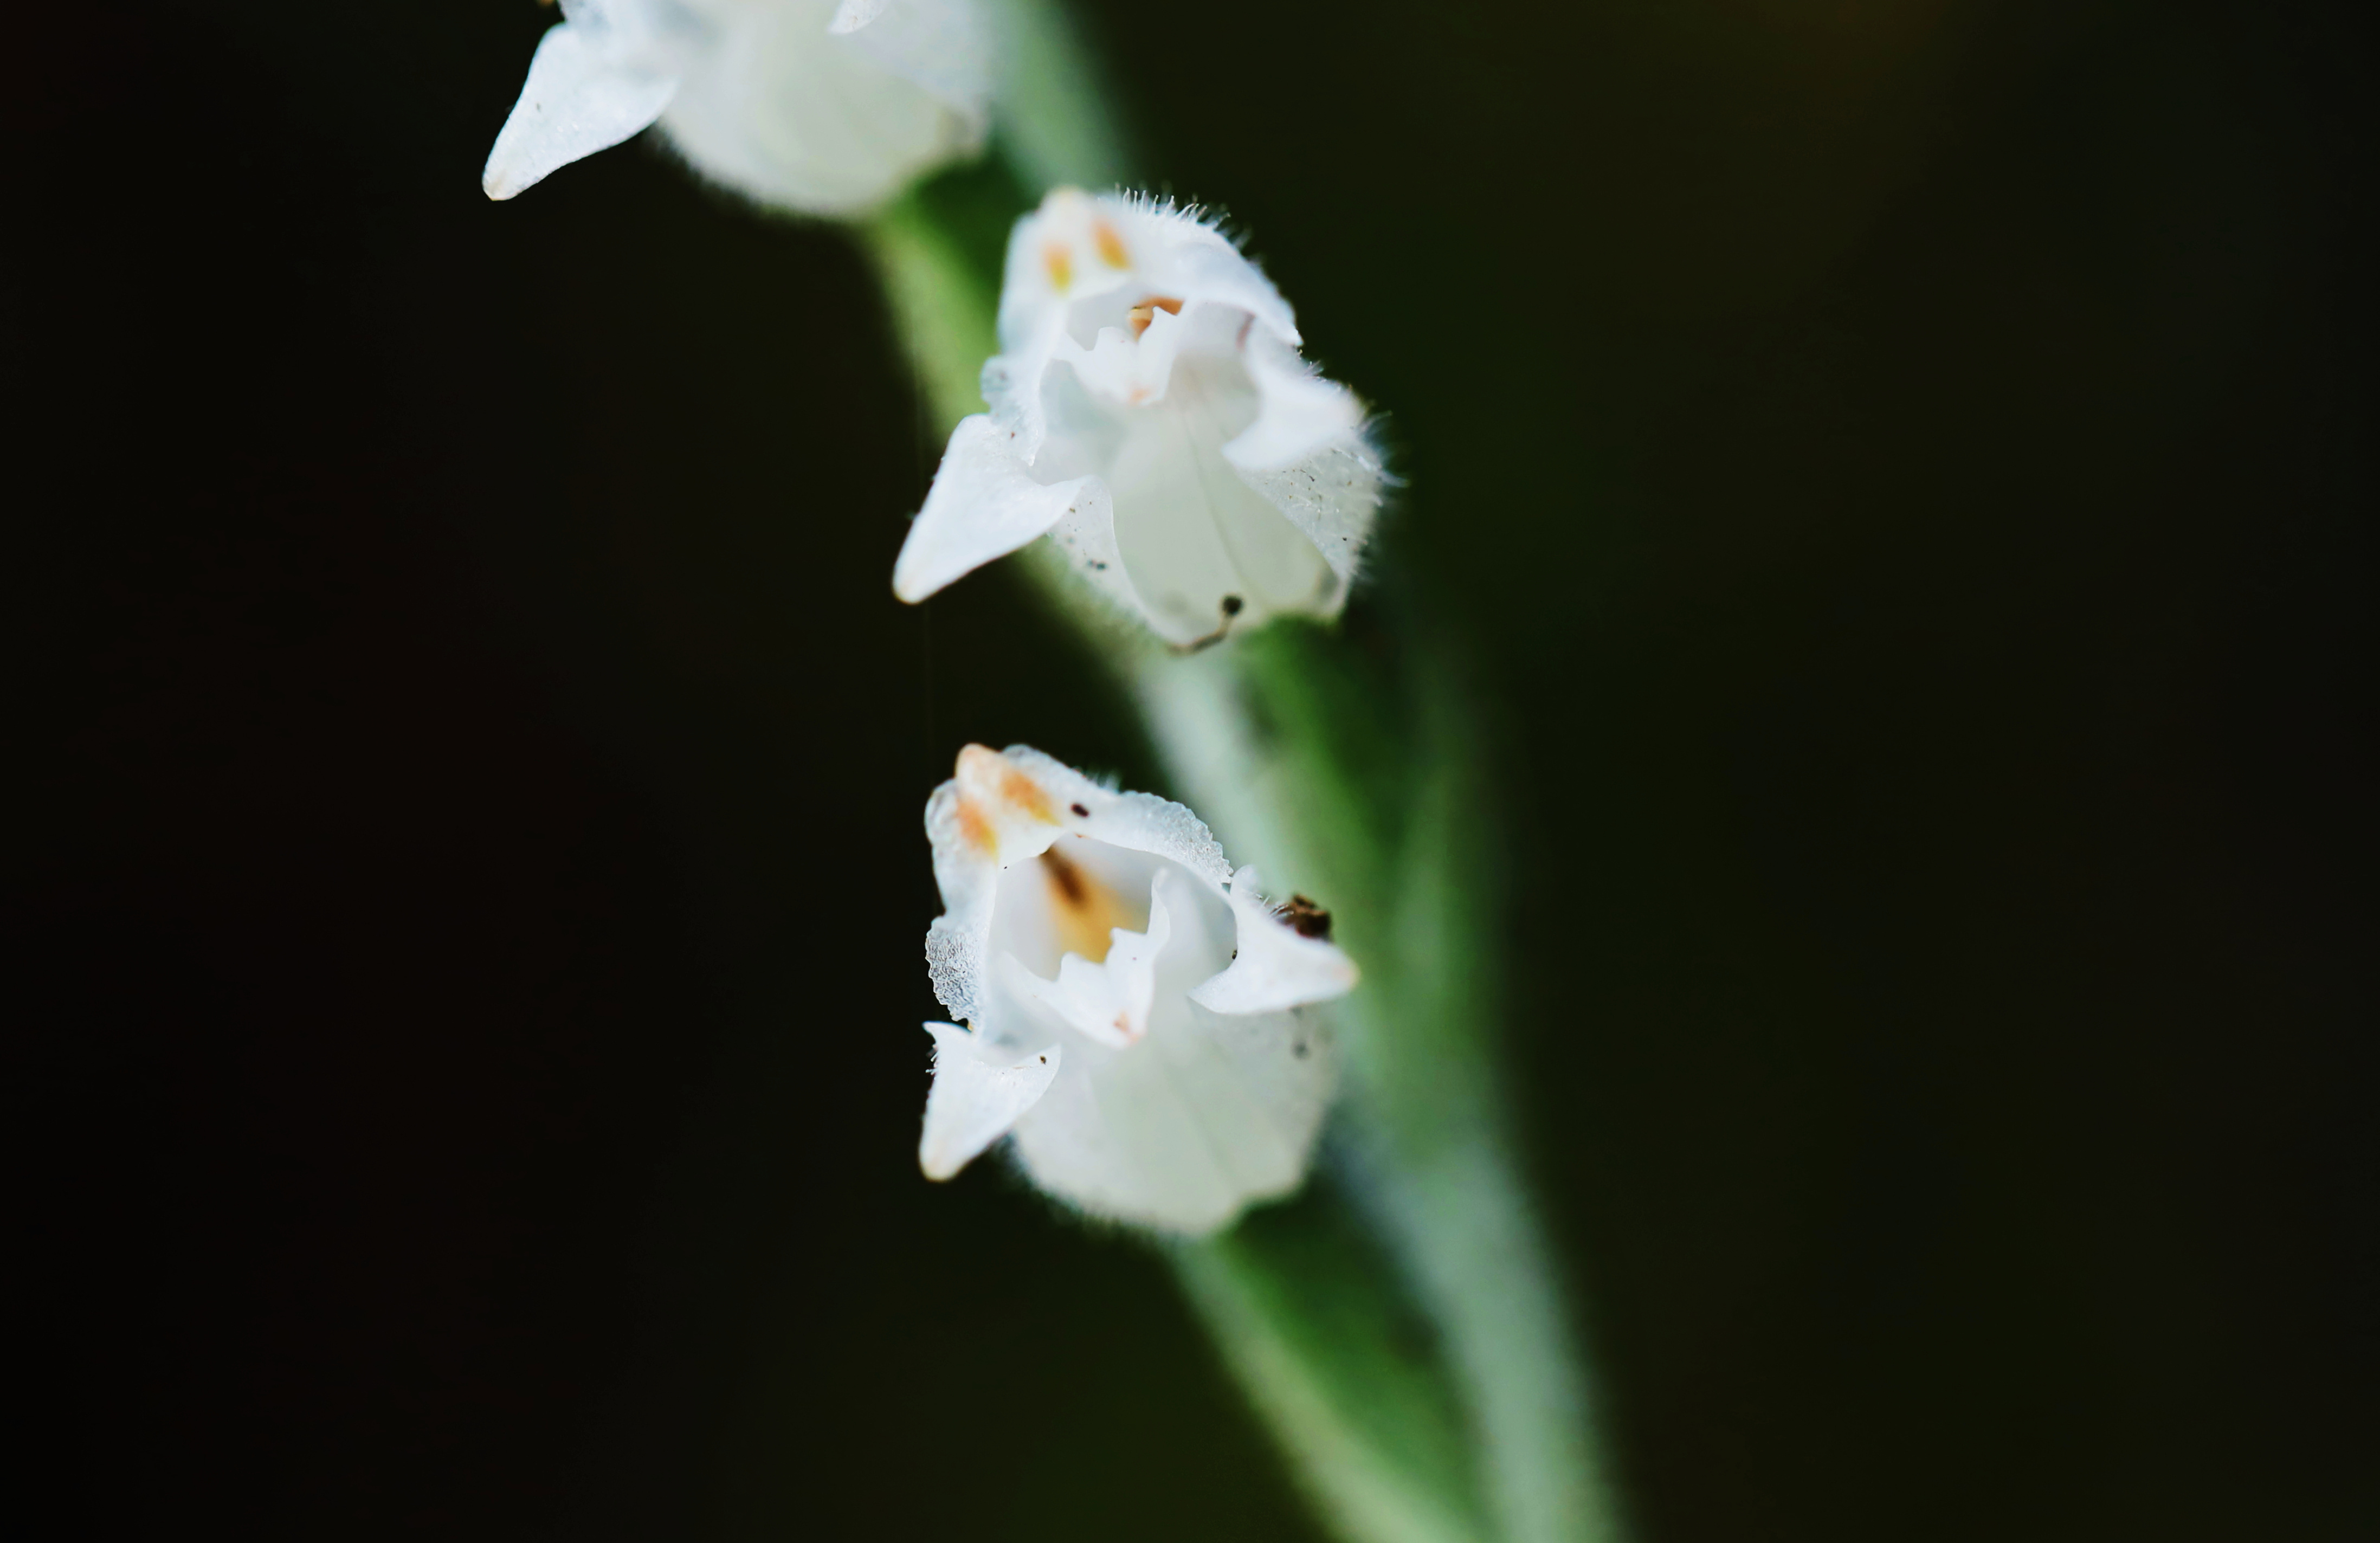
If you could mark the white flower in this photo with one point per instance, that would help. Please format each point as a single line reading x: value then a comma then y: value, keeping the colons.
x: 1138, y: 1017
x: 1149, y: 411
x: 801, y: 103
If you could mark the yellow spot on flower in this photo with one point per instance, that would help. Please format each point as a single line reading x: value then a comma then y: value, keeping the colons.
x: 1060, y: 261
x: 1110, y: 245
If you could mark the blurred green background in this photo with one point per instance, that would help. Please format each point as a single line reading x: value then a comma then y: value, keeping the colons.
x: 1900, y: 474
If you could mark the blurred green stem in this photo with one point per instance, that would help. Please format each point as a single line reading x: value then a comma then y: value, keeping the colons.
x: 1292, y: 746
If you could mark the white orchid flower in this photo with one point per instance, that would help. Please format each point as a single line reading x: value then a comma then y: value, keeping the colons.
x: 1138, y: 1018
x: 1150, y: 413
x: 805, y: 104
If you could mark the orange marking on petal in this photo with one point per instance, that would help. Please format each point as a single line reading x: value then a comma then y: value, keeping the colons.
x: 1111, y: 244
x: 1085, y: 911
x: 975, y: 828
x: 1024, y: 796
x: 1060, y: 261
x: 1141, y: 315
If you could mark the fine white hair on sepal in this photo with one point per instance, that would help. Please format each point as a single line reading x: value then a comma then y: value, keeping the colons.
x: 1150, y: 413
x: 801, y: 104
x: 1182, y: 1010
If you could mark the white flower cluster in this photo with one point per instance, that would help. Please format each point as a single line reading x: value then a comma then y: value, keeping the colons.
x: 1135, y: 1017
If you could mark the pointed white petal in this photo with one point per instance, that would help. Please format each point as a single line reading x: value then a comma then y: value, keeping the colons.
x: 578, y: 98
x: 984, y: 505
x: 975, y: 1098
x: 1276, y: 967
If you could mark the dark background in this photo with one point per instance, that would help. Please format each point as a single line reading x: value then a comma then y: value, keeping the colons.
x: 1904, y: 468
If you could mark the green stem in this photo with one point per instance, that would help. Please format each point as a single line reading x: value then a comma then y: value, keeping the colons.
x: 1342, y: 1364
x: 1289, y: 747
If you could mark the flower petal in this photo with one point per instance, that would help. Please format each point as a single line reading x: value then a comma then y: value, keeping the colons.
x: 1188, y: 257
x: 1276, y: 967
x: 784, y: 112
x: 1332, y: 497
x: 1008, y: 807
x: 579, y: 98
x: 1186, y: 1130
x: 1300, y: 411
x: 984, y: 505
x: 1202, y: 546
x: 1086, y: 534
x: 940, y: 46
x: 975, y: 1099
x: 1135, y: 821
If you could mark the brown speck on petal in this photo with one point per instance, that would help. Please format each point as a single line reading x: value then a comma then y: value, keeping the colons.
x: 1307, y: 919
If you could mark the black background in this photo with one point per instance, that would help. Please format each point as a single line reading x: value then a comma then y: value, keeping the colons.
x: 1903, y: 471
